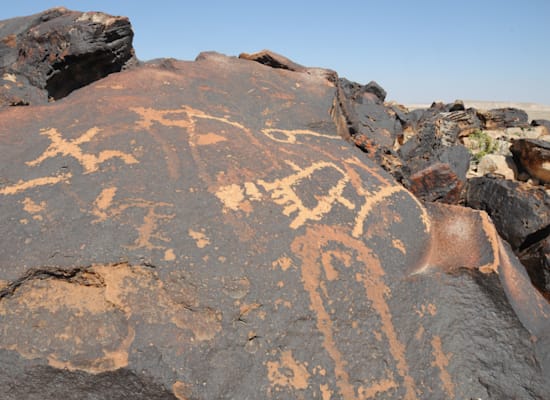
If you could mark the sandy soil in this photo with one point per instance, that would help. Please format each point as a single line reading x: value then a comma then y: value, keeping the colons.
x: 533, y: 110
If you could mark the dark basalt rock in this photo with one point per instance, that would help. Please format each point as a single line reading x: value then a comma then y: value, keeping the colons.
x: 521, y: 214
x: 437, y: 161
x: 277, y: 61
x: 45, y: 382
x: 374, y: 88
x: 437, y: 182
x: 533, y: 156
x: 191, y: 235
x: 519, y: 211
x: 457, y: 123
x: 536, y: 259
x: 371, y: 125
x: 502, y: 118
x: 273, y: 60
x: 368, y: 114
x: 48, y: 55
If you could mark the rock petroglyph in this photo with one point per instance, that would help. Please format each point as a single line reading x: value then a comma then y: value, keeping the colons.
x: 202, y: 228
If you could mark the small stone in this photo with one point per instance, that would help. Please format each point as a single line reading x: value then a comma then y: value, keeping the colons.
x: 498, y: 165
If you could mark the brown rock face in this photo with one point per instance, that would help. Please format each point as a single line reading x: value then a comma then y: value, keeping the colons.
x: 437, y: 182
x: 50, y: 54
x: 501, y: 118
x: 534, y: 157
x: 199, y: 230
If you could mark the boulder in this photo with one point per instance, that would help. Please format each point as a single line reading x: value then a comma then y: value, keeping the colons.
x: 497, y: 164
x: 436, y: 148
x: 458, y: 105
x: 465, y: 121
x: 50, y: 54
x: 533, y: 156
x: 376, y: 89
x: 544, y: 123
x: 371, y: 125
x: 368, y: 114
x: 536, y: 259
x: 502, y: 118
x: 278, y: 61
x: 273, y: 60
x: 519, y: 211
x: 190, y: 235
x: 436, y: 182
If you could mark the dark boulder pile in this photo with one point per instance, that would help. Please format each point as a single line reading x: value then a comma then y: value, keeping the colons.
x: 48, y: 55
x: 487, y: 160
x: 249, y: 228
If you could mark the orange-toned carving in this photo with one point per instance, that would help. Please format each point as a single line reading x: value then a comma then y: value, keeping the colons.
x: 21, y: 186
x: 317, y: 271
x: 71, y: 148
x: 149, y: 233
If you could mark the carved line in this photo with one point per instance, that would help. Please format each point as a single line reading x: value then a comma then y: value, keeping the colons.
x: 26, y: 185
x: 283, y: 194
x: 89, y: 162
x: 292, y: 134
x: 441, y: 361
x: 307, y: 247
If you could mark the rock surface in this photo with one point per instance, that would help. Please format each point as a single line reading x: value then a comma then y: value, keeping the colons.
x: 521, y: 214
x: 48, y: 55
x: 435, y: 156
x: 202, y: 231
x: 373, y: 126
x: 542, y: 123
x: 216, y: 242
x: 501, y: 118
x: 497, y: 164
x: 518, y: 210
x: 534, y: 157
x: 536, y: 259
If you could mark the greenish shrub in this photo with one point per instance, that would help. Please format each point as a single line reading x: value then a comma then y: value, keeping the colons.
x: 485, y: 144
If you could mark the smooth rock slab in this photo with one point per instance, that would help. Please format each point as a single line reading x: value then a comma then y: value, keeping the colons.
x: 199, y: 230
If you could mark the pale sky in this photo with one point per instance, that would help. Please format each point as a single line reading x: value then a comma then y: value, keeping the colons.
x: 418, y: 50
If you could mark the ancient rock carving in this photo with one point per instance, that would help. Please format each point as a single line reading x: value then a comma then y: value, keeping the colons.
x: 90, y: 162
x: 148, y: 232
x: 22, y: 185
x: 283, y: 191
x: 290, y: 135
x: 60, y: 146
x: 318, y: 270
x: 188, y: 116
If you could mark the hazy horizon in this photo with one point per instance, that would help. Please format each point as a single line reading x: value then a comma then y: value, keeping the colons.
x: 419, y: 52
